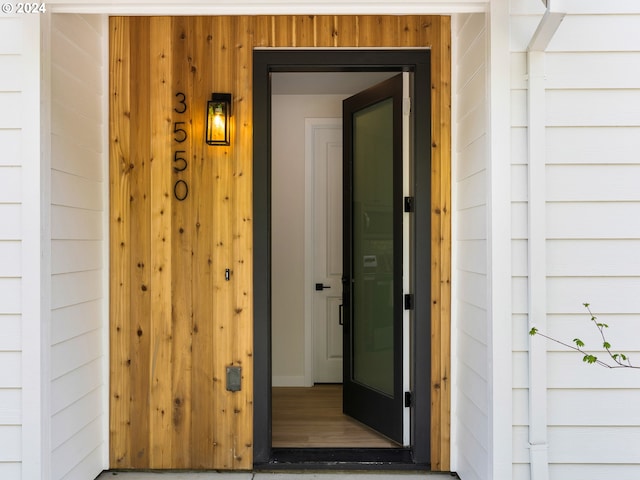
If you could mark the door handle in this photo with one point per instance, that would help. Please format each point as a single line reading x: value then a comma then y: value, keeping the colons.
x: 340, y: 321
x: 321, y: 286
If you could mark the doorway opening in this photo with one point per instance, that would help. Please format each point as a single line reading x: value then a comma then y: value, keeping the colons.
x: 274, y: 286
x: 307, y: 261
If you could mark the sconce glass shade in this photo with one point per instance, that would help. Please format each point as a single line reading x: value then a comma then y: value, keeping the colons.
x: 218, y: 113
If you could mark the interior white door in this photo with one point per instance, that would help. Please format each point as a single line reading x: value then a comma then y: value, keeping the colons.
x: 325, y: 137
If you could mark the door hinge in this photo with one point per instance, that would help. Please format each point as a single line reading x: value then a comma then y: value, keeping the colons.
x: 408, y: 301
x: 409, y: 204
x: 408, y: 398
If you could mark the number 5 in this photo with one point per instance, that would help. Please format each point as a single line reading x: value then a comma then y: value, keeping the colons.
x: 179, y: 160
x: 180, y: 133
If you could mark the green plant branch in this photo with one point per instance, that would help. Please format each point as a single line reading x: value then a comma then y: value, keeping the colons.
x: 620, y: 360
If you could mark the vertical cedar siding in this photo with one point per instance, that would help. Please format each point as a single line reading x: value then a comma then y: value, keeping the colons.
x: 176, y: 323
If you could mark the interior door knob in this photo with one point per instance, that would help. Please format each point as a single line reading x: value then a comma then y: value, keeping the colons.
x: 321, y: 286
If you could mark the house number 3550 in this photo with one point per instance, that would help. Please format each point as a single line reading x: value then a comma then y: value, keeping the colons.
x: 179, y: 160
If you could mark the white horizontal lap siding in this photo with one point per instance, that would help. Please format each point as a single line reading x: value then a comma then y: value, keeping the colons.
x: 593, y: 239
x: 77, y: 245
x: 470, y: 328
x: 524, y: 19
x: 11, y: 160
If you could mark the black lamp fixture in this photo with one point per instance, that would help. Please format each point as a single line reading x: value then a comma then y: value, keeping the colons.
x: 218, y: 114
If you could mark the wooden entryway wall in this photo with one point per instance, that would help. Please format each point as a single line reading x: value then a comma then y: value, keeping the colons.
x: 181, y: 229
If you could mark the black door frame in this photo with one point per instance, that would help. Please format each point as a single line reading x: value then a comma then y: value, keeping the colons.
x: 266, y: 61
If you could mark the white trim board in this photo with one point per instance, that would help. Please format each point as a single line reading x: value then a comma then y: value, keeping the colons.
x: 499, y: 245
x: 106, y: 270
x: 261, y: 7
x: 36, y: 252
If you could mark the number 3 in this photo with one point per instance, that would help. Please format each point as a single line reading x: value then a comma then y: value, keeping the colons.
x: 182, y: 107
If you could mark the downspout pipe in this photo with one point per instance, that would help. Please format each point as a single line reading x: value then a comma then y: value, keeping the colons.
x: 537, y: 294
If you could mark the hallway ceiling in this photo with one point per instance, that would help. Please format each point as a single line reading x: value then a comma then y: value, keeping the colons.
x: 325, y: 83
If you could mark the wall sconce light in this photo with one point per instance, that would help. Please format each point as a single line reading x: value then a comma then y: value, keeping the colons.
x: 218, y: 114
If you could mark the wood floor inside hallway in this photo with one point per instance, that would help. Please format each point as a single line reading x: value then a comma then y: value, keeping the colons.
x: 312, y: 417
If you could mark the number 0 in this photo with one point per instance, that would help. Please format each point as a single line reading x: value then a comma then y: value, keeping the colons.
x: 181, y: 190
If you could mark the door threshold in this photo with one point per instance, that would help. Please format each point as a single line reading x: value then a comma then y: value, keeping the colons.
x: 342, y: 459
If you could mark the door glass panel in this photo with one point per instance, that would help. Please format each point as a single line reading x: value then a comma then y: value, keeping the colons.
x: 373, y: 261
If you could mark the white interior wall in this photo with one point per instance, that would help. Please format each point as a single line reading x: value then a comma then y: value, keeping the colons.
x: 288, y: 229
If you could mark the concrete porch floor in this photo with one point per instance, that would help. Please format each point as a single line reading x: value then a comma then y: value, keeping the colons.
x: 354, y: 475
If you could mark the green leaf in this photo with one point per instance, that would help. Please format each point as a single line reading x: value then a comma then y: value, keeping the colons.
x: 586, y: 305
x: 602, y: 325
x: 579, y: 343
x: 606, y: 345
x: 533, y: 331
x: 589, y: 359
